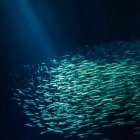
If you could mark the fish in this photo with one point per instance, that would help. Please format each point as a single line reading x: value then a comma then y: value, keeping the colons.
x: 81, y: 95
x: 96, y: 134
x: 29, y: 125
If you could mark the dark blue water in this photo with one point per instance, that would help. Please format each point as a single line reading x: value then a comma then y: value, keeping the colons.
x: 33, y: 32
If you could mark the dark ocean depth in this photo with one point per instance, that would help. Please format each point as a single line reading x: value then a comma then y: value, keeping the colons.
x: 69, y: 70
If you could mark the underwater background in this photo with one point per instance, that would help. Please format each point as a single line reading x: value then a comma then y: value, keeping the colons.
x: 70, y: 70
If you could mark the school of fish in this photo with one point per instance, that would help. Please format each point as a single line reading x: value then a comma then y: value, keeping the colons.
x: 79, y: 95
